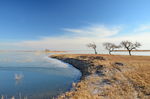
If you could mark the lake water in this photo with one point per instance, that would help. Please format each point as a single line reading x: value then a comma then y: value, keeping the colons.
x: 40, y: 76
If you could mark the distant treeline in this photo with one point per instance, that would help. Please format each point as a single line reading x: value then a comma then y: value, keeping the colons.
x: 54, y: 51
x: 127, y: 45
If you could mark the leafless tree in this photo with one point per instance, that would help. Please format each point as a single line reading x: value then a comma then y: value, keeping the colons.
x: 92, y: 45
x: 110, y: 46
x: 130, y: 45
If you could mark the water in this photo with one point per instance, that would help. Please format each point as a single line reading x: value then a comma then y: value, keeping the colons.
x: 40, y: 76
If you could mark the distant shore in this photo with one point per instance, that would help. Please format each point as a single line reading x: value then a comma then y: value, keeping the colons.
x: 55, y: 51
x: 33, y: 51
x: 109, y: 76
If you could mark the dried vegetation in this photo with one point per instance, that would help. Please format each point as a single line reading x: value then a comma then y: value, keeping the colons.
x: 109, y: 77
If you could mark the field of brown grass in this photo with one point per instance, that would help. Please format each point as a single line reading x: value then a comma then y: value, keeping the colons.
x: 132, y: 50
x: 111, y: 77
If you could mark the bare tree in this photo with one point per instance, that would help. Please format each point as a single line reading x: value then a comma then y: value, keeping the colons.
x: 130, y: 45
x: 92, y: 45
x: 110, y: 47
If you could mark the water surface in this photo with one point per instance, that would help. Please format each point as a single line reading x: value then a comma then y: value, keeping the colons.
x: 41, y: 76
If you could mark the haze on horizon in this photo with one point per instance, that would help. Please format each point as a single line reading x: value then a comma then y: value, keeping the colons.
x: 71, y: 24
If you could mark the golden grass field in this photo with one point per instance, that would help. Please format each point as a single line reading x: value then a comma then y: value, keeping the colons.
x: 130, y: 80
x: 132, y: 50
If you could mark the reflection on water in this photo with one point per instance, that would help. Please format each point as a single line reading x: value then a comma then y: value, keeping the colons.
x: 34, y: 75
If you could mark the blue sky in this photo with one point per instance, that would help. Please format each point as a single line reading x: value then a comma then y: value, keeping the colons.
x: 37, y: 24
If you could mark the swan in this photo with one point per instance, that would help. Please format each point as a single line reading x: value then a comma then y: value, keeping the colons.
x: 18, y: 76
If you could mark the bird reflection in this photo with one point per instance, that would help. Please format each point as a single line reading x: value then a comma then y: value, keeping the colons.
x: 18, y: 78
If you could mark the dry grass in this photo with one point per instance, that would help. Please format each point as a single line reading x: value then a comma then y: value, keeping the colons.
x: 130, y: 81
x: 133, y: 50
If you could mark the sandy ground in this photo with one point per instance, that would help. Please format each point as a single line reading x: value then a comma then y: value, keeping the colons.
x: 109, y: 76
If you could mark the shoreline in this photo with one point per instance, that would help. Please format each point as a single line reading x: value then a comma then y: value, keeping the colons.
x: 102, y: 77
x: 81, y: 65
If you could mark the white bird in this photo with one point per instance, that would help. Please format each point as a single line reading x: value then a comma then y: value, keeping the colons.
x: 18, y: 76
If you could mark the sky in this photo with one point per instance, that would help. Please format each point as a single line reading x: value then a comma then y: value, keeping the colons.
x: 71, y: 24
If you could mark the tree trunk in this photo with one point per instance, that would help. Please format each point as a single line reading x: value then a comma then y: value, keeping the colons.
x: 95, y: 51
x: 109, y: 52
x: 130, y: 52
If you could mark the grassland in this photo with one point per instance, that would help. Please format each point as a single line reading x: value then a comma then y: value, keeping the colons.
x: 132, y: 50
x: 109, y: 76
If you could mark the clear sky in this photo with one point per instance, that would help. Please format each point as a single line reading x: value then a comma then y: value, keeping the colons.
x: 70, y: 24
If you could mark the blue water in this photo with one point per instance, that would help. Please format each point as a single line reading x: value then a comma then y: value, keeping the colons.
x: 42, y: 77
